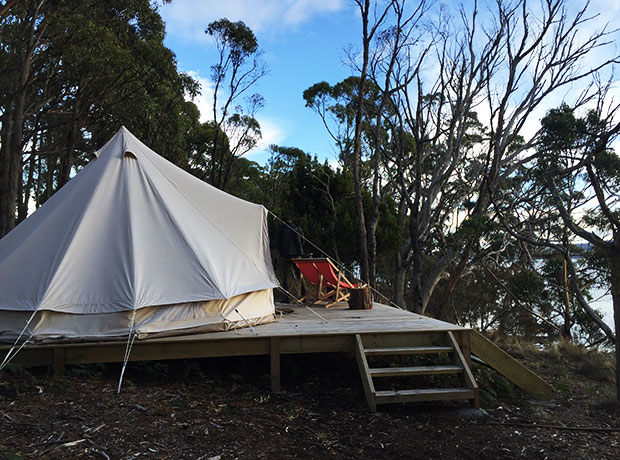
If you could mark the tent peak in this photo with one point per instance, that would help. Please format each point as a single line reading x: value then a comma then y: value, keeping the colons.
x: 124, y: 130
x: 128, y: 143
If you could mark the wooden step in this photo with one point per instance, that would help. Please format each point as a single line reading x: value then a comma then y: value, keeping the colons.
x: 408, y: 350
x: 432, y: 394
x: 414, y: 370
x: 459, y: 365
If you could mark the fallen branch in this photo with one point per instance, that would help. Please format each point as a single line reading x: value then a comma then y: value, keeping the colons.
x: 73, y: 443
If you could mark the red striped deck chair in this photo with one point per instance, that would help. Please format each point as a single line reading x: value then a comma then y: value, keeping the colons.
x: 331, y: 284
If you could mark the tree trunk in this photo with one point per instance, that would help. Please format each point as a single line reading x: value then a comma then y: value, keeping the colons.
x: 67, y: 160
x: 4, y: 172
x: 416, y: 267
x: 574, y: 280
x: 615, y: 294
x: 50, y: 169
x: 399, y: 282
x: 357, y: 150
x: 360, y: 298
x: 11, y: 157
x: 372, y: 233
x: 37, y: 193
x: 566, y: 328
x: 215, y: 161
x: 432, y: 279
x: 26, y: 189
x: 11, y: 148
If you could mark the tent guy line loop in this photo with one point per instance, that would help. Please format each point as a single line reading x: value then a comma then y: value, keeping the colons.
x: 344, y: 268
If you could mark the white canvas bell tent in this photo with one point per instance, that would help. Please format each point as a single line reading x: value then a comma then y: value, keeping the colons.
x: 135, y: 244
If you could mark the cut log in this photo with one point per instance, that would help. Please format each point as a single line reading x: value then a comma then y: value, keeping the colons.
x: 360, y: 299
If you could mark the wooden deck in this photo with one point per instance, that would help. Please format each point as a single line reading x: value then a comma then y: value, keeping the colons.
x: 297, y: 329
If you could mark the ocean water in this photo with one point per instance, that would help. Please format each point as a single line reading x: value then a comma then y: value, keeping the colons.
x: 603, y: 303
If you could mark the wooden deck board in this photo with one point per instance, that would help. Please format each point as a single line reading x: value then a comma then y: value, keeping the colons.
x: 339, y: 320
x: 300, y: 331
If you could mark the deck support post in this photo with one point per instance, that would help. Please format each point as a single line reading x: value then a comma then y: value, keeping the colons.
x: 59, y: 362
x: 274, y: 353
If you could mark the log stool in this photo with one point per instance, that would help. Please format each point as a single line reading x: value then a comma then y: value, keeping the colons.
x: 361, y: 298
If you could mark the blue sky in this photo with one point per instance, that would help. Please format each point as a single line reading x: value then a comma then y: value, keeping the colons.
x: 303, y: 43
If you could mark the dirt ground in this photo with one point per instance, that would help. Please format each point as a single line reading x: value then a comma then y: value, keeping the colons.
x: 222, y: 409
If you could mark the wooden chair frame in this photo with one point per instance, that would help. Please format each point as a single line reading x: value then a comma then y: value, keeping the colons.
x: 332, y: 286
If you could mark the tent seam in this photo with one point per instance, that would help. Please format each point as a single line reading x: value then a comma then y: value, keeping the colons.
x: 129, y: 212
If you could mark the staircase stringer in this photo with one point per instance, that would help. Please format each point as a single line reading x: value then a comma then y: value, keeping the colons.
x: 362, y: 363
x: 467, y: 377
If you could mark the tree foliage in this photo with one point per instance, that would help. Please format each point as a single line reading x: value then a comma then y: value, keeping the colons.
x: 238, y: 68
x: 74, y: 72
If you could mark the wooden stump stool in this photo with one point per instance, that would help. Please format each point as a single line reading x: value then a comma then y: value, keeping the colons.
x: 361, y: 298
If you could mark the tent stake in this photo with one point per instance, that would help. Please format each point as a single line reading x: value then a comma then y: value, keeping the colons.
x: 130, y: 340
x: 246, y: 321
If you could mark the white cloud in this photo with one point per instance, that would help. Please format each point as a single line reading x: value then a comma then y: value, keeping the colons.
x: 273, y: 133
x: 204, y: 101
x: 187, y: 19
x: 299, y: 11
x: 333, y: 162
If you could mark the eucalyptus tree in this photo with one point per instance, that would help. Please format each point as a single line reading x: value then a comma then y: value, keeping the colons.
x: 115, y: 70
x: 405, y: 31
x: 435, y: 163
x: 581, y: 146
x: 336, y: 105
x: 22, y: 28
x: 74, y: 71
x: 568, y: 194
x: 526, y: 210
x: 467, y: 118
x: 373, y: 18
x: 354, y: 112
x: 239, y: 66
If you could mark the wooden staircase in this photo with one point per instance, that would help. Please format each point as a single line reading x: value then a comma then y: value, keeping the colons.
x: 432, y: 346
